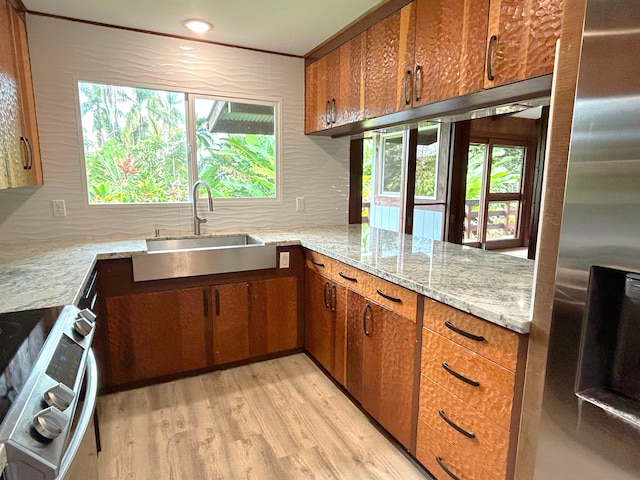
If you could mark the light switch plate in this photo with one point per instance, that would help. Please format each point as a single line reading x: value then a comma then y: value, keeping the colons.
x: 284, y: 259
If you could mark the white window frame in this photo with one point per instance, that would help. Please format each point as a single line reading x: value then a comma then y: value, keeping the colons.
x: 190, y: 95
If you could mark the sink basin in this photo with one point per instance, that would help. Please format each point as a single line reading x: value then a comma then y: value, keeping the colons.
x: 171, y: 244
x: 188, y: 257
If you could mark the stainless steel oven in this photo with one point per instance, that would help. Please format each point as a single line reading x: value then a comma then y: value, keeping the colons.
x: 48, y: 390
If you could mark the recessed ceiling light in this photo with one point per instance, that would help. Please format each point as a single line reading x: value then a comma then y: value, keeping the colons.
x: 198, y: 26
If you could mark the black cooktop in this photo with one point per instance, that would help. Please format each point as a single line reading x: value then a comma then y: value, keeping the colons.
x: 22, y: 335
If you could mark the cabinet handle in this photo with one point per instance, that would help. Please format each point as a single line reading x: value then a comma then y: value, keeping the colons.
x: 334, y: 298
x: 459, y: 376
x: 367, y: 308
x: 407, y: 80
x: 452, y: 424
x: 317, y: 264
x: 346, y: 277
x: 205, y: 302
x: 446, y: 470
x: 327, y: 114
x: 28, y: 160
x: 492, y: 43
x: 327, y: 299
x: 333, y: 110
x: 217, y: 302
x: 451, y: 326
x: 416, y: 90
x: 388, y: 297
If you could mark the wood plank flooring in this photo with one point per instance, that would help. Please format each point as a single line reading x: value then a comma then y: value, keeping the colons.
x: 279, y: 419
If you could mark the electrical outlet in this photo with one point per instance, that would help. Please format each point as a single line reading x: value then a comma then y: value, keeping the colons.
x: 284, y: 259
x: 59, y: 210
x: 300, y: 204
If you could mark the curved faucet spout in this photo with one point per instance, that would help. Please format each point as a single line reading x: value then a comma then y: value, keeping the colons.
x: 194, y: 199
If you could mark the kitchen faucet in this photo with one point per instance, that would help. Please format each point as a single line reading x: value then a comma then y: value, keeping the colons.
x: 194, y: 198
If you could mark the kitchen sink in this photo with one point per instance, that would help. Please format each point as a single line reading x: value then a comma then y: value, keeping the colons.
x: 171, y: 244
x: 188, y: 257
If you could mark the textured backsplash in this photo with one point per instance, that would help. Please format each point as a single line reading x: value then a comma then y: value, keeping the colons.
x: 63, y: 52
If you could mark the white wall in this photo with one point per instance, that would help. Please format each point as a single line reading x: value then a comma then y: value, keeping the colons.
x: 63, y: 52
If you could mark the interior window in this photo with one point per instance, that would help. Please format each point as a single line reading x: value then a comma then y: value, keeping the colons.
x: 145, y: 146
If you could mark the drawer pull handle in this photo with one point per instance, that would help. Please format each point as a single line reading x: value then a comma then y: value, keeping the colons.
x: 327, y: 295
x: 451, y: 326
x: 367, y: 309
x: 318, y: 264
x: 453, y: 425
x: 446, y: 470
x: 388, y: 297
x: 473, y: 383
x: 346, y: 277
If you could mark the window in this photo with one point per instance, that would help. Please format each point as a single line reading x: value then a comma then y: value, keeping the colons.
x: 495, y: 193
x: 149, y: 146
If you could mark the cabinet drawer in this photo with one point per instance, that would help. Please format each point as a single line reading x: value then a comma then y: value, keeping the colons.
x: 319, y: 263
x: 431, y: 447
x: 482, y: 440
x: 489, y: 340
x: 455, y: 368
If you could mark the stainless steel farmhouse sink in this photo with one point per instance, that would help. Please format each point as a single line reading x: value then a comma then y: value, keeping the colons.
x: 188, y: 257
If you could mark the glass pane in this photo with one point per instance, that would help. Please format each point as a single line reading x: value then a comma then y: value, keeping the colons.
x: 236, y: 148
x: 392, y: 164
x: 506, y: 169
x: 367, y: 164
x: 502, y: 221
x: 427, y: 162
x: 135, y: 144
x: 475, y: 169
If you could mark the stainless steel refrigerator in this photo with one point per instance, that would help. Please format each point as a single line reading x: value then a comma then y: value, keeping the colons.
x: 590, y: 427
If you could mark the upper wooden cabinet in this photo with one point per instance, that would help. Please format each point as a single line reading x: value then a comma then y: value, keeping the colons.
x: 429, y: 51
x: 19, y: 143
x: 389, y: 65
x: 521, y: 40
x: 449, y: 49
x: 334, y: 85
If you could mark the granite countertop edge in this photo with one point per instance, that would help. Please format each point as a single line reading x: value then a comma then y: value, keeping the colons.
x: 90, y: 252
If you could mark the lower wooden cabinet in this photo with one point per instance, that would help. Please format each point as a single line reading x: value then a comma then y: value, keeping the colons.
x: 380, y: 363
x: 148, y: 331
x: 325, y: 333
x: 155, y: 334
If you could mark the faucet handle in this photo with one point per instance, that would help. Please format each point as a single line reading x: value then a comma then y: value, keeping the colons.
x: 203, y: 220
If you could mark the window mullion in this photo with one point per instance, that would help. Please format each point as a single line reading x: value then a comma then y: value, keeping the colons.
x: 192, y: 150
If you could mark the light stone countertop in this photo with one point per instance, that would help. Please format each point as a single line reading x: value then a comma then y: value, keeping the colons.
x: 495, y: 287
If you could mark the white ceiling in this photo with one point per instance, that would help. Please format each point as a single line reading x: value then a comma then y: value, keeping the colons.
x: 284, y: 26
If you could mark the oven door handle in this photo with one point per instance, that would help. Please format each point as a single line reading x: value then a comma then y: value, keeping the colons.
x: 86, y: 415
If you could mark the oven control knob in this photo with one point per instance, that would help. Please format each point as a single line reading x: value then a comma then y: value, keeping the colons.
x: 83, y: 326
x: 59, y: 396
x: 50, y: 422
x: 87, y: 315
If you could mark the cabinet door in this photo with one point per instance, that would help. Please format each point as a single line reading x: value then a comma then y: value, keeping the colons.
x: 230, y: 305
x: 449, y: 48
x: 389, y: 345
x: 156, y: 334
x: 319, y: 331
x: 355, y: 352
x: 273, y: 315
x: 30, y: 138
x: 348, y: 97
x: 389, y: 63
x: 339, y: 307
x: 315, y: 97
x: 521, y: 39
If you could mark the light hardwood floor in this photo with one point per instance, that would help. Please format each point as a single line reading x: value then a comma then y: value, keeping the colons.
x: 279, y: 419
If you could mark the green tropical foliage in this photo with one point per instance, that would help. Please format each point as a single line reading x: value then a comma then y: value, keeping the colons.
x: 135, y: 143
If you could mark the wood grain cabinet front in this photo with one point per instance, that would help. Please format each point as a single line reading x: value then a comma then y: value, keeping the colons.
x: 521, y: 39
x: 333, y: 87
x: 19, y: 143
x: 380, y: 363
x: 470, y: 392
